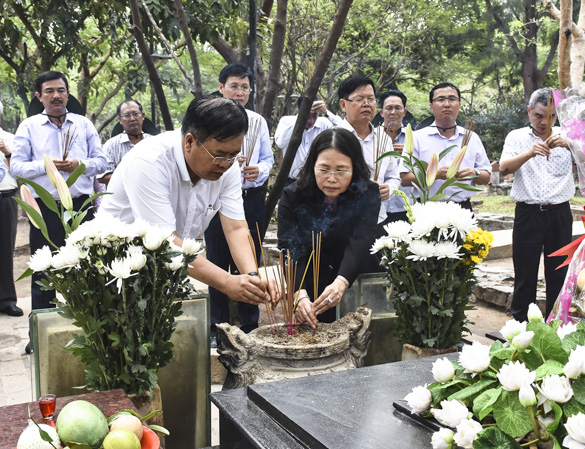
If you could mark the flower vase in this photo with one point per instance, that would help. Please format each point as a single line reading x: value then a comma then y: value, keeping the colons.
x: 411, y: 352
x: 147, y: 404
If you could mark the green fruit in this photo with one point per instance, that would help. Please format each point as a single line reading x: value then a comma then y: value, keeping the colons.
x: 121, y: 439
x: 82, y: 422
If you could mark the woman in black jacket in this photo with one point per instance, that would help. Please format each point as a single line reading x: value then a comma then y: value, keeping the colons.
x: 335, y: 197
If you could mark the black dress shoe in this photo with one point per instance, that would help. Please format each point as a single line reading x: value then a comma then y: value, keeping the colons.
x: 27, y: 348
x: 12, y: 310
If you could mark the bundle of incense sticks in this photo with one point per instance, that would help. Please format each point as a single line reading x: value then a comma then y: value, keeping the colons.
x: 249, y: 142
x: 316, y: 266
x: 550, y: 110
x: 468, y: 130
x: 68, y: 140
x: 390, y: 132
x: 269, y: 312
x: 380, y: 141
x: 286, y: 275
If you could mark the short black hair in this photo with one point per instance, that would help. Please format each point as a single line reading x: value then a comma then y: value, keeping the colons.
x: 442, y: 86
x: 352, y: 83
x: 237, y: 70
x: 49, y: 76
x: 129, y: 100
x: 341, y: 140
x: 392, y: 93
x: 214, y: 117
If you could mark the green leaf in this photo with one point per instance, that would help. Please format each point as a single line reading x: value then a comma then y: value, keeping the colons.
x: 150, y: 415
x: 28, y: 272
x: 482, y: 405
x: 446, y: 151
x: 492, y: 437
x: 573, y: 407
x: 159, y: 429
x: 43, y: 194
x: 79, y: 170
x: 511, y: 416
x: 552, y: 427
x: 112, y: 418
x: 472, y: 390
x: 549, y: 368
x: 547, y: 342
x: 579, y: 389
x: 572, y: 340
x: 38, y: 218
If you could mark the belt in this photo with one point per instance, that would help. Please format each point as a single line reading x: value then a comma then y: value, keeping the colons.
x: 542, y: 207
x: 252, y: 191
x: 8, y: 193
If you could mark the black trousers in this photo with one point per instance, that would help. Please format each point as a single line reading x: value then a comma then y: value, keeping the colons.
x: 8, y: 221
x: 218, y: 252
x: 41, y: 299
x: 534, y: 230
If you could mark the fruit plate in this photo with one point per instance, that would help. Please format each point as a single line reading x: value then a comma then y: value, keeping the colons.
x: 149, y: 440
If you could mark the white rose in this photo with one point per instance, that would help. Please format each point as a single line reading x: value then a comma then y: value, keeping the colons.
x: 191, y: 247
x: 576, y: 364
x: 175, y: 263
x: 120, y: 268
x: 419, y: 399
x: 514, y: 374
x: 466, y: 434
x: 451, y: 413
x: 523, y: 340
x: 534, y: 314
x: 443, y: 370
x: 512, y: 328
x: 575, y: 426
x: 526, y: 395
x: 442, y: 439
x: 566, y: 329
x: 556, y: 388
x: 475, y: 358
x: 41, y: 259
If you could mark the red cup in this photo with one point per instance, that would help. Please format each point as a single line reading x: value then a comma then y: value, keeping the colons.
x: 47, y: 404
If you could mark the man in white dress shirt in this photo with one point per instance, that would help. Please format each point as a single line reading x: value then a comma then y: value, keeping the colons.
x: 357, y: 98
x: 543, y: 185
x: 314, y: 126
x: 445, y: 103
x: 179, y: 180
x: 235, y: 83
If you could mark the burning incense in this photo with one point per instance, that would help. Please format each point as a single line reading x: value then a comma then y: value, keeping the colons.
x: 390, y: 132
x: 380, y: 142
x: 67, y: 141
x: 269, y: 311
x: 249, y: 143
x: 316, y: 263
x: 468, y: 130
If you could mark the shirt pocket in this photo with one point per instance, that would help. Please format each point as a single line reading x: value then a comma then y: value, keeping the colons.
x: 210, y: 212
x: 560, y: 164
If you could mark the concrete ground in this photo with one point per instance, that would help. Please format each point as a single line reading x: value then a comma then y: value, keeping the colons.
x: 16, y: 383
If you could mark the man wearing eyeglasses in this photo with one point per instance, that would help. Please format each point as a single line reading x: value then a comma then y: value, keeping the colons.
x: 256, y: 160
x: 180, y: 180
x: 357, y: 98
x: 131, y: 117
x: 445, y: 103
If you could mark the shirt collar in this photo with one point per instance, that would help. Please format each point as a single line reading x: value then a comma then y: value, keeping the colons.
x: 44, y: 118
x: 179, y: 156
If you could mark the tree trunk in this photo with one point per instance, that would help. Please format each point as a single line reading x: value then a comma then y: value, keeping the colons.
x: 565, y: 41
x: 136, y: 30
x: 278, y: 40
x: 197, y: 88
x: 309, y: 94
x: 530, y: 73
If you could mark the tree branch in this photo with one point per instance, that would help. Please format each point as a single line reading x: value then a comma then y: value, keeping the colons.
x: 506, y: 31
x: 225, y: 50
x: 577, y: 29
x: 196, y: 83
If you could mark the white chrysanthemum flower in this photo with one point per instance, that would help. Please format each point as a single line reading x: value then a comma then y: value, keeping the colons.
x: 191, y: 247
x: 155, y: 238
x: 41, y: 259
x: 120, y: 268
x: 462, y: 222
x: 512, y: 328
x: 397, y: 229
x: 175, y: 263
x: 421, y: 250
x: 68, y: 256
x: 566, y: 329
x: 141, y: 227
x: 381, y: 243
x: 514, y: 374
x: 449, y: 250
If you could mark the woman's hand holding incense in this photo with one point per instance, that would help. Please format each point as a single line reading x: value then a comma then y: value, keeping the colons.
x: 251, y: 172
x: 304, y: 312
x: 330, y: 297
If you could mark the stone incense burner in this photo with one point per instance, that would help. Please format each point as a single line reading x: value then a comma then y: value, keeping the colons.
x: 267, y: 353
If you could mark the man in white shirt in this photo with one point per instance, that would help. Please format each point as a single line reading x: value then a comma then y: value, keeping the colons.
x: 315, y: 125
x: 357, y: 98
x: 235, y: 81
x: 543, y: 185
x: 393, y: 110
x: 445, y: 103
x: 9, y: 218
x: 131, y: 117
x: 179, y: 180
x: 46, y: 133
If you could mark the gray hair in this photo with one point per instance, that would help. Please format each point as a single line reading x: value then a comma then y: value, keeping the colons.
x: 540, y: 96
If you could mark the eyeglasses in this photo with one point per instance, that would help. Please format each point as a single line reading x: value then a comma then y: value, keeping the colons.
x: 235, y: 87
x: 396, y: 109
x: 134, y: 114
x: 325, y: 173
x: 442, y: 100
x: 361, y: 101
x: 219, y: 160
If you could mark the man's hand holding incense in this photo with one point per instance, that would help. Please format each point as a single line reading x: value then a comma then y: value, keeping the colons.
x: 273, y: 292
x: 556, y: 140
x: 384, y: 192
x: 251, y: 172
x: 67, y: 165
x: 540, y: 149
x: 245, y: 288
